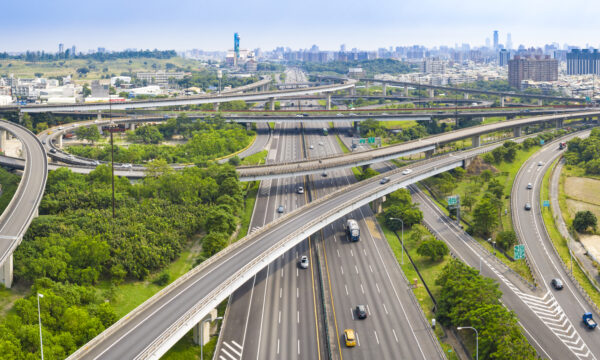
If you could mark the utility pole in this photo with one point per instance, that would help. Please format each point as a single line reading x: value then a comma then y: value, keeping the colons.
x: 112, y: 156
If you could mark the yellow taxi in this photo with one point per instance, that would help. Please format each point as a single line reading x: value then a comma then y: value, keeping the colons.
x: 349, y: 338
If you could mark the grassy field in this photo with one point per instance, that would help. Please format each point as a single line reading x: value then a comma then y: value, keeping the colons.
x: 249, y: 202
x: 255, y: 159
x: 560, y: 243
x: 61, y: 68
x: 582, y: 194
x: 429, y: 270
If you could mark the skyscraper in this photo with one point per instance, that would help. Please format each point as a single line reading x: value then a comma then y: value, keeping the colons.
x: 586, y: 61
x: 73, y: 48
x: 236, y: 48
x: 533, y: 68
x: 508, y: 41
x: 61, y: 48
x: 495, y: 39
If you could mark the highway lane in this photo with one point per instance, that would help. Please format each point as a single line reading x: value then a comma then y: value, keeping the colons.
x: 274, y: 313
x: 367, y: 273
x: 531, y: 231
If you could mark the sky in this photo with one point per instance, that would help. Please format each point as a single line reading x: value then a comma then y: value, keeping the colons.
x: 266, y: 24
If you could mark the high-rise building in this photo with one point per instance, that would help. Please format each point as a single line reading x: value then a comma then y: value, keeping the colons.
x: 509, y: 41
x: 73, y: 50
x: 586, y: 61
x: 61, y: 48
x: 343, y: 48
x: 495, y: 39
x: 538, y: 68
x: 236, y: 48
x: 503, y: 57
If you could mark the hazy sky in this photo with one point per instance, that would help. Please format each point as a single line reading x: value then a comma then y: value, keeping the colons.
x: 209, y: 25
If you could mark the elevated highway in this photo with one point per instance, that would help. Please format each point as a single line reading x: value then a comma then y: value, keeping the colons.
x: 23, y: 207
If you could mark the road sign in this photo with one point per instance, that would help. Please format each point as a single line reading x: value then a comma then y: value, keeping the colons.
x: 546, y: 203
x: 452, y: 200
x: 519, y: 252
x: 541, y: 141
x: 371, y: 140
x: 361, y: 141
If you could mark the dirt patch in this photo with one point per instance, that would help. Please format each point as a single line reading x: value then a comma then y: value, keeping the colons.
x: 584, y: 189
x: 477, y: 166
x: 592, y: 245
x: 573, y: 206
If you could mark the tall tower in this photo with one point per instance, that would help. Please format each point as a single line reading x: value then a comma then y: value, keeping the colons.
x: 61, y: 48
x: 509, y: 41
x: 495, y: 39
x: 236, y: 48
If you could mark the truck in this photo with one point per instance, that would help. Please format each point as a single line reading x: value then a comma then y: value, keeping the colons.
x: 352, y: 230
x: 562, y: 145
x: 589, y: 321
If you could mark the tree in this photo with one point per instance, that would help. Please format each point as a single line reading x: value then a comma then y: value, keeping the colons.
x: 434, y: 249
x: 90, y: 133
x: 506, y: 239
x: 583, y: 220
x: 496, y: 188
x: 485, y: 217
x: 468, y: 200
x: 367, y: 173
x: 486, y: 175
x: 213, y: 243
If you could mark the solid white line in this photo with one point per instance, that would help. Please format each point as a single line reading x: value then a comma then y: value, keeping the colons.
x: 357, y: 339
x: 262, y: 314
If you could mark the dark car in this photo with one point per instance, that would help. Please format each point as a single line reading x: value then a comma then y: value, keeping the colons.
x: 361, y: 312
x: 557, y: 284
x: 384, y: 180
x: 527, y: 206
x: 53, y: 150
x: 324, y: 174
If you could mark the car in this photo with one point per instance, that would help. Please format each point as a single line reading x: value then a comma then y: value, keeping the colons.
x: 527, y: 206
x: 349, y: 338
x: 126, y: 166
x: 60, y: 128
x: 280, y: 209
x: 44, y: 142
x: 361, y: 312
x: 556, y: 283
x: 540, y: 163
x: 324, y: 174
x: 300, y: 190
x: 384, y: 180
x: 529, y: 186
x: 339, y: 114
x: 406, y: 171
x: 298, y: 115
x: 96, y: 162
x: 304, y: 262
x: 53, y: 151
x: 305, y: 115
x: 311, y: 147
x: 74, y: 125
x: 320, y: 143
x: 354, y: 146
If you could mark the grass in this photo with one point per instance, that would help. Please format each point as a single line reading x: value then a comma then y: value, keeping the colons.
x: 429, y: 270
x: 398, y: 124
x: 249, y: 202
x: 255, y: 159
x: 560, y: 243
x: 343, y: 146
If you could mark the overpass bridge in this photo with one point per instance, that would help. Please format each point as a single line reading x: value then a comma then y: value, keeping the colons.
x: 261, y: 85
x: 23, y: 207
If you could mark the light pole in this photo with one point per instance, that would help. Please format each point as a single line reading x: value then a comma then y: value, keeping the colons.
x: 40, y: 322
x: 202, y: 335
x: 402, y: 259
x: 476, y: 339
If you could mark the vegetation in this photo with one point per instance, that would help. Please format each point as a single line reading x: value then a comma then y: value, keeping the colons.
x: 400, y: 206
x: 584, y: 220
x: 36, y: 56
x: 9, y: 183
x: 377, y: 66
x: 469, y: 299
x: 90, y: 133
x: 207, y: 79
x: 433, y: 249
x: 585, y: 153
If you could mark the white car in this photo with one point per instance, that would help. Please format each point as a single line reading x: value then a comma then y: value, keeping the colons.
x: 339, y: 114
x: 126, y: 166
x: 311, y: 147
x: 304, y: 262
x: 406, y: 172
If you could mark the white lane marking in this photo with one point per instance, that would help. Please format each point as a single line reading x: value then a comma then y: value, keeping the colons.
x: 298, y: 346
x: 236, y: 344
x: 342, y: 269
x: 346, y: 286
x: 352, y: 313
x: 338, y: 251
x: 296, y: 271
x: 370, y: 268
x: 395, y: 336
x: 228, y: 354
x: 351, y: 253
x: 365, y: 251
x: 297, y: 293
x: 262, y: 314
x: 385, y: 308
x: 277, y: 346
x: 281, y: 272
x: 356, y: 268
x: 280, y: 292
x: 280, y: 316
x: 376, y: 337
x: 362, y: 289
x: 377, y: 286
x: 298, y: 316
x: 357, y: 338
x: 232, y: 349
x: 368, y: 310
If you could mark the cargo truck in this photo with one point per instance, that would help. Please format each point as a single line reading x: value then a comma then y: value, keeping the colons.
x: 589, y: 321
x: 352, y: 230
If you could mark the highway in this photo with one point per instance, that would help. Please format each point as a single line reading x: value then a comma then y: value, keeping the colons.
x: 531, y: 231
x: 23, y: 207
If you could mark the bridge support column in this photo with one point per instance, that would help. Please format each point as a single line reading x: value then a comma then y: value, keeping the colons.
x: 100, y: 130
x: 60, y: 141
x: 352, y: 91
x: 383, y: 89
x: 2, y: 140
x: 132, y: 126
x: 204, y: 334
x: 328, y: 103
x: 431, y: 93
x: 377, y: 205
x: 248, y: 126
x: 540, y: 102
x: 216, y: 106
x: 517, y: 131
x: 428, y: 154
x: 99, y: 115
x: 476, y: 141
x: 559, y: 123
x: 272, y: 104
x: 6, y: 272
x: 405, y: 90
x: 466, y: 96
x: 355, y: 126
x: 501, y: 101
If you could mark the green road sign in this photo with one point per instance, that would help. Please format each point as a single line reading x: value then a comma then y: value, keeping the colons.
x: 452, y: 200
x: 519, y: 252
x: 371, y: 140
x: 361, y: 141
x: 546, y: 203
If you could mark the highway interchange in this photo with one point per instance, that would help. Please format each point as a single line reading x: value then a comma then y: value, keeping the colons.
x: 545, y: 316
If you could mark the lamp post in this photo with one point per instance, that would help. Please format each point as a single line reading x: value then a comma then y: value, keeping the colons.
x: 476, y: 339
x: 202, y: 335
x: 402, y: 259
x: 40, y: 322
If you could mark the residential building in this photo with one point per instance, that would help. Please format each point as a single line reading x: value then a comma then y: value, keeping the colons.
x: 538, y: 68
x: 503, y: 57
x: 159, y: 77
x: 586, y: 61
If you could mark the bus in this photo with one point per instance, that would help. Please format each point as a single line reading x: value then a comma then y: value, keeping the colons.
x: 325, y: 132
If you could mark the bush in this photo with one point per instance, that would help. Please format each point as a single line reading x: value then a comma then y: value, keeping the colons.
x: 162, y: 279
x: 506, y: 239
x: 434, y: 249
x: 583, y: 220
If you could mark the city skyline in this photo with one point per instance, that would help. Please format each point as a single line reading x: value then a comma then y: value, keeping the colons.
x: 267, y: 24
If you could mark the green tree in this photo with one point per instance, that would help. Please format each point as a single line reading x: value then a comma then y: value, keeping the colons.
x: 90, y: 133
x: 486, y: 175
x: 583, y: 220
x: 367, y: 173
x: 485, y: 217
x: 213, y: 243
x: 468, y: 201
x: 434, y: 249
x: 506, y: 239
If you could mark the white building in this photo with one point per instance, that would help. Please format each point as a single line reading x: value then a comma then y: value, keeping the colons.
x: 5, y: 100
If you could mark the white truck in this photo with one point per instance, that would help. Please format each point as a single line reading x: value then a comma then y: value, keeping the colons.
x: 352, y: 230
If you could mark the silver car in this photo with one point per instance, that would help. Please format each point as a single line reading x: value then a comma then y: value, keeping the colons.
x: 304, y: 262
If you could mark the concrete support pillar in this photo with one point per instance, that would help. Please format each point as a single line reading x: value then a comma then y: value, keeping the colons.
x: 132, y: 126
x: 2, y: 140
x: 502, y: 101
x: 206, y: 332
x: 355, y: 126
x: 476, y: 141
x: 405, y: 90
x: 272, y: 104
x: 428, y: 154
x: 99, y: 115
x: 377, y: 205
x: 248, y: 126
x: 384, y: 89
x: 540, y: 102
x: 100, y: 130
x: 216, y: 106
x: 20, y: 117
x: 517, y: 131
x: 328, y: 103
x: 466, y: 95
x: 352, y: 91
x: 60, y: 141
x: 559, y: 123
x: 6, y: 272
x: 431, y: 93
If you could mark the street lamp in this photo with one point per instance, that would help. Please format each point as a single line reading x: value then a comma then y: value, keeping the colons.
x: 40, y: 322
x: 202, y: 335
x: 402, y: 259
x: 476, y: 339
